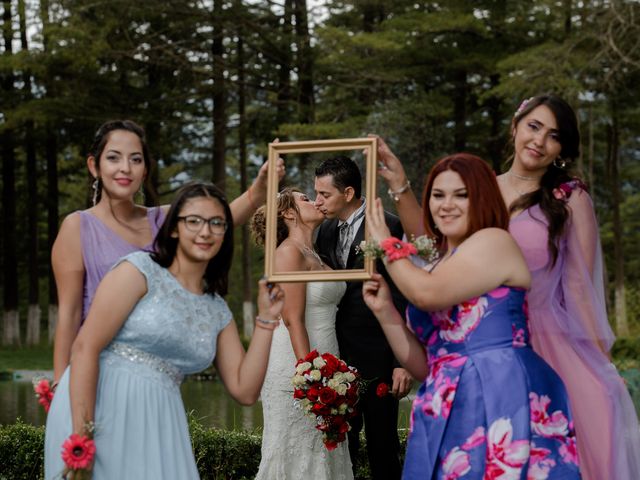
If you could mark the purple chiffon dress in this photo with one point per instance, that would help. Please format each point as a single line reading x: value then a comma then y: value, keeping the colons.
x: 490, y: 408
x: 102, y: 248
x: 570, y: 330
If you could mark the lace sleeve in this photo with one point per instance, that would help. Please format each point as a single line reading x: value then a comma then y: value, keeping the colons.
x: 583, y: 274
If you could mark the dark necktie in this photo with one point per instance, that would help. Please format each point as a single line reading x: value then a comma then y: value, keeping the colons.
x: 345, y: 237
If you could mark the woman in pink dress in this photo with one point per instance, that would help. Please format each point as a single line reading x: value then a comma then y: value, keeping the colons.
x: 553, y: 221
x: 91, y: 241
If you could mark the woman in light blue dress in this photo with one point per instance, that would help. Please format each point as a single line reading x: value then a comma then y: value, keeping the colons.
x: 155, y: 318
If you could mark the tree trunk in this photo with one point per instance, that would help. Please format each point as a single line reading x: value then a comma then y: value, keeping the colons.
x: 283, y: 113
x: 460, y: 111
x: 33, y: 312
x: 305, y: 64
x: 247, y: 296
x: 51, y: 146
x: 219, y: 100
x: 11, y: 318
x: 622, y: 323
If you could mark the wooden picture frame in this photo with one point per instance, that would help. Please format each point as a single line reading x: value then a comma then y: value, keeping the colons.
x: 368, y: 146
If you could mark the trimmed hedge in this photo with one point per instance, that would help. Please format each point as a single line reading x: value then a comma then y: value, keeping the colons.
x: 220, y: 454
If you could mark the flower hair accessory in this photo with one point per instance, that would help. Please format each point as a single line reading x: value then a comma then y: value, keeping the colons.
x: 394, y: 249
x: 522, y: 106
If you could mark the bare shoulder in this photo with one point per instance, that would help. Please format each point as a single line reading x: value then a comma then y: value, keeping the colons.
x: 289, y: 258
x: 68, y: 240
x: 491, y: 239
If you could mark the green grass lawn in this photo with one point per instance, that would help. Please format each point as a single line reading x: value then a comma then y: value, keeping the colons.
x: 26, y: 358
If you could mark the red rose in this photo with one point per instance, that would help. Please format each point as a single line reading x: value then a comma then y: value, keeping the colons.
x: 311, y: 355
x: 382, y: 390
x: 330, y: 444
x: 320, y: 409
x: 328, y: 395
x: 299, y: 393
x: 312, y: 393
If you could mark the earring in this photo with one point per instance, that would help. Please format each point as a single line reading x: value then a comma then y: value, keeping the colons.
x: 141, y: 192
x: 95, y: 186
x: 559, y: 162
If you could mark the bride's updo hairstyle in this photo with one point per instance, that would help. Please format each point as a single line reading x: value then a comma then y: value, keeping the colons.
x: 486, y: 207
x: 286, y: 201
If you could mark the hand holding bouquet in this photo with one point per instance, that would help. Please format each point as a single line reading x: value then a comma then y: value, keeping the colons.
x: 326, y: 388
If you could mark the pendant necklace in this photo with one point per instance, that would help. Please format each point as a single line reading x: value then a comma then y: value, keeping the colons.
x: 308, y: 251
x: 521, y: 177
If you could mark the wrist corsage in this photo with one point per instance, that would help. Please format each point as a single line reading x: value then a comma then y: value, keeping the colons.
x: 78, y: 452
x: 394, y: 249
x: 44, y: 392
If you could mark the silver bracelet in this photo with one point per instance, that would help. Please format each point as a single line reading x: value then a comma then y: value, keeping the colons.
x: 395, y: 194
x: 268, y: 322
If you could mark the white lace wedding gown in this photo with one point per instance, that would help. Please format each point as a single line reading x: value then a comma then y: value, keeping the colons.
x: 292, y: 448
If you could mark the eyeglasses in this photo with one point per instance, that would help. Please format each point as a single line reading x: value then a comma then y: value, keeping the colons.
x: 194, y: 223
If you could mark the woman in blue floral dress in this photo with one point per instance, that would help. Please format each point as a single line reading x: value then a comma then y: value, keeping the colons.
x: 489, y: 406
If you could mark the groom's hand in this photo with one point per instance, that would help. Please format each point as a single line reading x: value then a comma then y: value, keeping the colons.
x: 402, y: 383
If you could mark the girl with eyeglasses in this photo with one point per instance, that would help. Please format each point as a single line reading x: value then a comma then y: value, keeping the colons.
x: 155, y: 318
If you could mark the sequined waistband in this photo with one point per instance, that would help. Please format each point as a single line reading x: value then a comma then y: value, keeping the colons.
x: 141, y: 357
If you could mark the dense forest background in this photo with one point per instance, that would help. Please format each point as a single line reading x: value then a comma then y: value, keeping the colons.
x: 213, y: 81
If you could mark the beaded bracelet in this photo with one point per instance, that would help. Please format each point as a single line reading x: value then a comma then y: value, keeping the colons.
x: 395, y: 249
x: 268, y: 324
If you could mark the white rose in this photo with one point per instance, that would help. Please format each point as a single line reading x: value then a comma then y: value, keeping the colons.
x: 298, y: 380
x: 341, y: 389
x: 339, y: 376
x: 303, y: 367
x: 342, y: 409
x: 315, y: 375
x: 333, y: 383
x: 349, y: 377
x: 319, y: 362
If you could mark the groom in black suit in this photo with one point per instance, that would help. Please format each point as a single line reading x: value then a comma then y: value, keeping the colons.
x: 338, y: 186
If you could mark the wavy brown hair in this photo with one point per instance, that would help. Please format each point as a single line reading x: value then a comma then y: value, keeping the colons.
x: 286, y: 200
x: 556, y: 211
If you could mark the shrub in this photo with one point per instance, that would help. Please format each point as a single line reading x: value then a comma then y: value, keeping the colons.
x: 21, y: 451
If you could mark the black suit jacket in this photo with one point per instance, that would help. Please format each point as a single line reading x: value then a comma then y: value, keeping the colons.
x: 360, y: 338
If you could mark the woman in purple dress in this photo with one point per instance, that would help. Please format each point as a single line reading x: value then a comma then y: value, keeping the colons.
x: 554, y: 223
x: 91, y: 241
x: 489, y: 406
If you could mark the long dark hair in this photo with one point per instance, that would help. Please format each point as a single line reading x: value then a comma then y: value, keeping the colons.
x: 556, y: 211
x: 97, y: 147
x: 486, y: 207
x: 216, y: 275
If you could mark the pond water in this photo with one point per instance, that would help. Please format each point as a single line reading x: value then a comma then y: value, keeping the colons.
x: 209, y: 401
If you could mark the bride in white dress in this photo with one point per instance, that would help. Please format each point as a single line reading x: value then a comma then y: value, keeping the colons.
x: 292, y: 447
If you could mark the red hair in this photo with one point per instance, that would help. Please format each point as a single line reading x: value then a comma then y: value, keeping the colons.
x: 486, y: 206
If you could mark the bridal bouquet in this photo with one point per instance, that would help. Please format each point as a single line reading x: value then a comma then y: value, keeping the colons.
x: 326, y: 388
